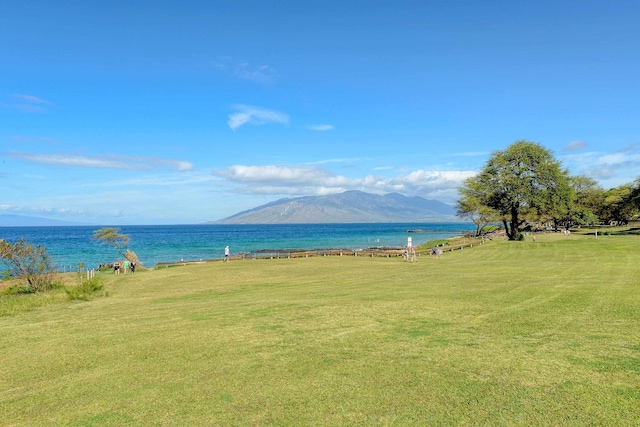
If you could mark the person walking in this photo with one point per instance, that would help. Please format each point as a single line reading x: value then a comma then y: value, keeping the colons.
x: 226, y: 254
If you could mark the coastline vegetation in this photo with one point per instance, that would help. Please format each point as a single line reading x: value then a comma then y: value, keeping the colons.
x: 505, y: 333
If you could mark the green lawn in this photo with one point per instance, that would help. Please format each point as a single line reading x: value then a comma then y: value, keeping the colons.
x: 507, y: 333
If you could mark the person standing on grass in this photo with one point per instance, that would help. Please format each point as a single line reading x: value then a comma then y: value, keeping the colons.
x: 127, y: 263
x: 226, y: 254
x: 116, y: 267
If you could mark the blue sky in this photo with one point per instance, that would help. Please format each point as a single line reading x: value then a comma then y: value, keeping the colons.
x: 166, y: 112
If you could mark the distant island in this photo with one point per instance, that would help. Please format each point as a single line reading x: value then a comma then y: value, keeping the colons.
x: 347, y: 207
x: 10, y: 220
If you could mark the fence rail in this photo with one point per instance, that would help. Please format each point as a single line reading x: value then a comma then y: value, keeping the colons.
x: 288, y: 254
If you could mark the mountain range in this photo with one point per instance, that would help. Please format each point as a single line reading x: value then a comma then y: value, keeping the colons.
x: 347, y: 207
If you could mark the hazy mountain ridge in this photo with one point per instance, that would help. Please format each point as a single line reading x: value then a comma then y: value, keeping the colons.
x: 11, y: 220
x: 347, y: 207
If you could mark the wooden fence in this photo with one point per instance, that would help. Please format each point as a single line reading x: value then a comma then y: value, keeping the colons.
x: 288, y: 254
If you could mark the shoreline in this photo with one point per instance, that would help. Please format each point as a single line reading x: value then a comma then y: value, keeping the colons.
x: 458, y: 243
x: 71, y: 246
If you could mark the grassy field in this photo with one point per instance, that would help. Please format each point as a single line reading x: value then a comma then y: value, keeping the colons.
x: 507, y: 333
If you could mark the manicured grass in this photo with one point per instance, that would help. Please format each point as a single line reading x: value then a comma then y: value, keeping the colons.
x: 507, y: 333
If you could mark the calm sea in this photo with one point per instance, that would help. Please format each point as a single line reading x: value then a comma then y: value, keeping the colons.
x: 69, y: 246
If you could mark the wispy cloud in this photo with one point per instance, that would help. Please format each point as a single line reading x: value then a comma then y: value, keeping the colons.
x: 26, y: 103
x: 246, y: 114
x: 610, y: 169
x: 574, y: 146
x: 103, y: 162
x: 471, y: 154
x: 337, y: 160
x: 321, y: 128
x: 38, y: 210
x: 158, y: 181
x: 313, y: 180
x: 244, y: 70
x: 32, y: 99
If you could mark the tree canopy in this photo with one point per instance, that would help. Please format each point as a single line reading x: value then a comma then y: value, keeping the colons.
x: 518, y: 184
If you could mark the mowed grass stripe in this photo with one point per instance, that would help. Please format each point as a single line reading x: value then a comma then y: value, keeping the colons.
x: 517, y: 333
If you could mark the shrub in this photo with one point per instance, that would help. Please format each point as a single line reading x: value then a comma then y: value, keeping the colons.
x: 86, y: 289
x: 29, y: 263
x: 19, y: 288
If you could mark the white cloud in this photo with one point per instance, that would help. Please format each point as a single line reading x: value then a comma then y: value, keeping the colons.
x: 103, y: 162
x: 610, y: 169
x: 311, y: 180
x: 247, y: 114
x: 278, y: 175
x: 321, y: 128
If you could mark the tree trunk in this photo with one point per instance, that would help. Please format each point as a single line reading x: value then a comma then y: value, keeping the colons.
x: 506, y: 229
x: 514, y: 224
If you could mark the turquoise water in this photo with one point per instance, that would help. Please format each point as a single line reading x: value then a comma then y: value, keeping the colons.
x: 69, y: 246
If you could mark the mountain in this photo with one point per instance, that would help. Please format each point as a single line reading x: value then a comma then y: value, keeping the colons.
x: 347, y: 207
x: 7, y: 220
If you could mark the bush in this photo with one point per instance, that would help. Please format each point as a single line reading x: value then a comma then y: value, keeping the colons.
x: 86, y: 289
x: 21, y: 289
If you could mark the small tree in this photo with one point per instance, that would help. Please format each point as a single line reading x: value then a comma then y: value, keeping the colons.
x: 112, y: 236
x: 133, y: 257
x: 28, y: 262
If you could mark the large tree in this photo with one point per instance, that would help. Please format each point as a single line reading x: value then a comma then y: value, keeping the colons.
x: 523, y: 182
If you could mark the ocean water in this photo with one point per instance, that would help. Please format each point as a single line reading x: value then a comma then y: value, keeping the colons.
x: 69, y: 246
